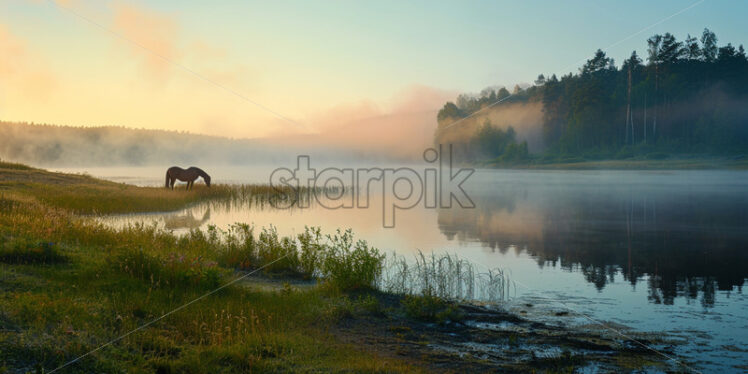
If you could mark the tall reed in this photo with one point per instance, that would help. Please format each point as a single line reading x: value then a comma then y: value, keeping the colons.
x: 445, y: 276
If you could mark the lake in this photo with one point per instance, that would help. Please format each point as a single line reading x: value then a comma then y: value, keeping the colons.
x: 649, y: 250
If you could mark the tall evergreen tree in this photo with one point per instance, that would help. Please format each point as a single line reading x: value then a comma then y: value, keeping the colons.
x: 689, y: 97
x: 670, y: 49
x: 691, y: 48
x: 708, y: 45
x: 599, y: 62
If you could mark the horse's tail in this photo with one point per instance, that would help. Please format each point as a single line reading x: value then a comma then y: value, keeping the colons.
x: 167, y: 179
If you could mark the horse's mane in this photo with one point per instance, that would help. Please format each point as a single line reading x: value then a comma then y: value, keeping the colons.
x: 199, y: 171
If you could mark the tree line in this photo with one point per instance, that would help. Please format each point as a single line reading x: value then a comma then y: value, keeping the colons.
x: 688, y: 97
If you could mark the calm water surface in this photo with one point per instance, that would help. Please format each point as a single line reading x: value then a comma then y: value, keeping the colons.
x: 653, y: 251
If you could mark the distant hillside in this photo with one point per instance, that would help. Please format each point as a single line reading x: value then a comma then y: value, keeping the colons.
x: 68, y: 146
x: 51, y: 145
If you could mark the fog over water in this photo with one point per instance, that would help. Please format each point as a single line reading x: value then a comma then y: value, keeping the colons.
x: 651, y: 250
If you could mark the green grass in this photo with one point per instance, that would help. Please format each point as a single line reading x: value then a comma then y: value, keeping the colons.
x: 70, y: 284
x: 14, y: 251
x: 14, y: 166
x: 431, y: 308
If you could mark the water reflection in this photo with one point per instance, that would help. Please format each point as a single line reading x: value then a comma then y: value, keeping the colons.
x: 658, y: 251
x: 688, y: 240
x: 683, y: 234
x: 186, y: 221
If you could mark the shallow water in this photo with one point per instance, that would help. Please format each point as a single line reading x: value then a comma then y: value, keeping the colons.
x: 655, y: 251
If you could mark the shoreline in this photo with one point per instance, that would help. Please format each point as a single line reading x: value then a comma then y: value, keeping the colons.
x: 100, y: 282
x: 668, y: 164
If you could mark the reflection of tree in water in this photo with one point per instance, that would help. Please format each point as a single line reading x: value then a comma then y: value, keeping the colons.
x: 688, y: 246
x: 472, y: 224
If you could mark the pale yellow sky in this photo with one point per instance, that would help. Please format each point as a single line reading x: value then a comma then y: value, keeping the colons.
x: 141, y: 68
x: 303, y: 60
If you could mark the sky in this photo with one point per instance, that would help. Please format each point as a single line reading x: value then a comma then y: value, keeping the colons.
x: 249, y: 69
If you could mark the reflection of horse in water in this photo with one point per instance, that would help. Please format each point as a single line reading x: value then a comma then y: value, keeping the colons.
x: 187, y: 221
x: 189, y: 176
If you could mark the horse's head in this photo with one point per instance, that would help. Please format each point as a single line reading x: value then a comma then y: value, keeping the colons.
x: 206, y: 178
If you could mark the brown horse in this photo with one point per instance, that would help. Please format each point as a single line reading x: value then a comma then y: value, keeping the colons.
x: 189, y: 176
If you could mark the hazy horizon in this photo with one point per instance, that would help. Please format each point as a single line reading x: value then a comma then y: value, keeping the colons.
x: 183, y: 67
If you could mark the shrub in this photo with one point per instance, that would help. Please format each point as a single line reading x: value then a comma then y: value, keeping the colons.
x: 240, y: 249
x: 312, y: 253
x: 350, y: 266
x: 515, y: 152
x: 279, y: 255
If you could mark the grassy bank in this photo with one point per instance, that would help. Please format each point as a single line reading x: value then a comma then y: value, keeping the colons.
x: 70, y: 285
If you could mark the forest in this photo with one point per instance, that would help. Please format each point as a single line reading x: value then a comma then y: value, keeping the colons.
x: 682, y: 98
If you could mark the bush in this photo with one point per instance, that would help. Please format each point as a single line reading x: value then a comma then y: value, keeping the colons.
x: 278, y: 255
x: 312, y: 254
x: 350, y: 266
x: 515, y: 152
x: 240, y: 249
